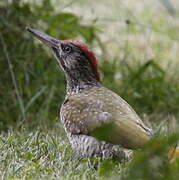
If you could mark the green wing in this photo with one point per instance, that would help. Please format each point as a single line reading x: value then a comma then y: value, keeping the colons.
x: 105, y: 115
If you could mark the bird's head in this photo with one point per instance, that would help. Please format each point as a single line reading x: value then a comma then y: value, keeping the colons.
x: 75, y: 58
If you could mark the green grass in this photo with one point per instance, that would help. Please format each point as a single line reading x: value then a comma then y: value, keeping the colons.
x: 41, y: 156
x: 47, y: 155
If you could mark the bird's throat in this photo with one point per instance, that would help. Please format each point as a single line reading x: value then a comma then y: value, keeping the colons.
x: 78, y: 83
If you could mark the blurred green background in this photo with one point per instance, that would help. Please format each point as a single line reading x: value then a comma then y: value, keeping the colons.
x: 136, y: 43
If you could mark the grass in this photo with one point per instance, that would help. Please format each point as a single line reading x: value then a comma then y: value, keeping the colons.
x: 41, y: 156
x: 47, y: 155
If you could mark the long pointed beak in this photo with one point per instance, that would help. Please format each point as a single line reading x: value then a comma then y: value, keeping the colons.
x: 46, y: 39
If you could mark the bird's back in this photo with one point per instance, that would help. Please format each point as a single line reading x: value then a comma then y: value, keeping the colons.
x: 101, y: 113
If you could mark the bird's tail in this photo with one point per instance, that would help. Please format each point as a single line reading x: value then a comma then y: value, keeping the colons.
x: 130, y: 134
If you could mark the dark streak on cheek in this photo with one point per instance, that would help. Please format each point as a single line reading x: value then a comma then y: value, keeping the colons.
x: 62, y: 63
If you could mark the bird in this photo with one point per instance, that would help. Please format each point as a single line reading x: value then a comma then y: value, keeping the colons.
x: 97, y: 121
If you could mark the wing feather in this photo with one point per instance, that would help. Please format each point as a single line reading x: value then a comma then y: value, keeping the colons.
x: 101, y: 110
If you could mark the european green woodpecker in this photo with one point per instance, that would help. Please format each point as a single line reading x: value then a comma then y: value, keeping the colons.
x: 98, y: 122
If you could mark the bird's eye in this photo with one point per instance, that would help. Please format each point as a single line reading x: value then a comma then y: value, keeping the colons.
x: 67, y: 48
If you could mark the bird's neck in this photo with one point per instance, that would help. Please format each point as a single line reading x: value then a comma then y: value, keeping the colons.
x: 78, y: 82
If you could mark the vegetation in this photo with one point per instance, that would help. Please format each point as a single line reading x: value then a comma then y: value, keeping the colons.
x: 33, y: 144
